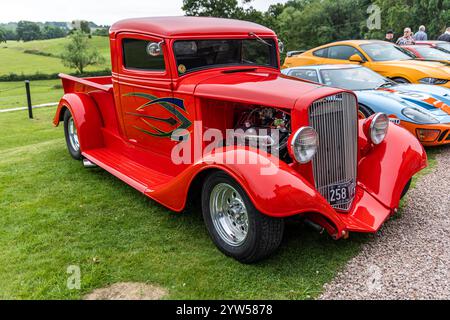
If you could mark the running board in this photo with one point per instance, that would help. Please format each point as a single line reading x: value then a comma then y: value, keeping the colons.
x: 138, y: 176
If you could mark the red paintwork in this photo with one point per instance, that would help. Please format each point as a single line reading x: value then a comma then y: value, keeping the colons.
x: 414, y: 51
x: 108, y: 139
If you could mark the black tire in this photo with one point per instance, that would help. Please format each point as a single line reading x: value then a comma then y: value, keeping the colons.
x: 365, y: 111
x: 264, y: 233
x: 405, y: 190
x: 73, y: 151
x: 400, y: 80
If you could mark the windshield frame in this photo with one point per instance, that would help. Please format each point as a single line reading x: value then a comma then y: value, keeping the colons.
x: 386, y: 80
x: 407, y: 53
x: 274, y: 54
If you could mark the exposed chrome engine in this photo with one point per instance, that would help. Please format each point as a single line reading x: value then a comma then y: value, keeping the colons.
x: 264, y: 128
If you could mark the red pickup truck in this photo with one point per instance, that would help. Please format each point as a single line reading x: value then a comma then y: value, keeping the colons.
x: 197, y: 109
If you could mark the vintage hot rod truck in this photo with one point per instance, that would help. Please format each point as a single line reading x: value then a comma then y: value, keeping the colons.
x: 296, y: 148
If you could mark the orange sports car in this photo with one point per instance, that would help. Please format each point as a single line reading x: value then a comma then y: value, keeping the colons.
x: 387, y: 59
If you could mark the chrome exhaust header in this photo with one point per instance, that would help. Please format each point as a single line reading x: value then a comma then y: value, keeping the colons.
x: 88, y: 164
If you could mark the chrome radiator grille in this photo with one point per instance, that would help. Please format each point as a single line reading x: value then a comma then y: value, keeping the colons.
x: 335, y: 120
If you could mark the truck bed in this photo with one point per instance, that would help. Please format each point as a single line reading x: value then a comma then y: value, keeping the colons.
x: 74, y: 84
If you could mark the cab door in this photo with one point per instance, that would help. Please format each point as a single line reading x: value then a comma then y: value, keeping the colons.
x: 149, y: 113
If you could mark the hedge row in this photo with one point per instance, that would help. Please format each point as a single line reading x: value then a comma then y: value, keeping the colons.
x: 40, y: 53
x: 44, y: 76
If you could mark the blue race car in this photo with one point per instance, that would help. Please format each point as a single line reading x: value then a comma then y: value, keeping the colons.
x: 422, y: 109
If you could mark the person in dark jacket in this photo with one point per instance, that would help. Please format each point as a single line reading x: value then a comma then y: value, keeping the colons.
x: 445, y: 36
x: 389, y: 36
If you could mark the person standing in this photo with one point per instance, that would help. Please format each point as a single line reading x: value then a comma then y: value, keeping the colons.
x: 407, y: 38
x: 389, y: 36
x: 421, y: 35
x: 445, y: 36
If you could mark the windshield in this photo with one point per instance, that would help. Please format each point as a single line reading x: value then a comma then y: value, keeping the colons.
x: 445, y: 46
x: 353, y: 79
x: 386, y: 52
x: 192, y: 55
x: 432, y: 53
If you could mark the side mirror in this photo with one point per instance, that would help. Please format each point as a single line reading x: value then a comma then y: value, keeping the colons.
x: 154, y: 48
x: 280, y: 46
x: 356, y: 58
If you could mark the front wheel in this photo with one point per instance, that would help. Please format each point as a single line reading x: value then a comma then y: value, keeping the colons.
x: 71, y: 133
x: 406, y: 189
x: 234, y: 224
x: 364, y: 112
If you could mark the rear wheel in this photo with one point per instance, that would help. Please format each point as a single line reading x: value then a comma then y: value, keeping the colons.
x: 400, y: 80
x: 71, y: 133
x: 234, y: 224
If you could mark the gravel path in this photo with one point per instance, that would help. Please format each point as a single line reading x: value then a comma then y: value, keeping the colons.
x: 410, y: 258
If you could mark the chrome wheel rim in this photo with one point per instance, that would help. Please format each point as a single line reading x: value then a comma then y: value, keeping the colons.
x: 73, y: 135
x: 229, y: 214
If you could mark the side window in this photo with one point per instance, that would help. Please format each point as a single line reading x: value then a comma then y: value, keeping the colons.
x: 135, y: 56
x: 306, y: 74
x: 342, y: 52
x: 322, y: 53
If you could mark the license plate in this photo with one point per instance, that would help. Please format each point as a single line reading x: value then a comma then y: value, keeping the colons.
x: 341, y: 193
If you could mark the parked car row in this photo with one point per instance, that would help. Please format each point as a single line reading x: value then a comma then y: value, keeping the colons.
x: 297, y: 149
x: 410, y: 84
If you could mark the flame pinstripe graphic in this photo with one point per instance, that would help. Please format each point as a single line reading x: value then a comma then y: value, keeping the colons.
x: 170, y: 104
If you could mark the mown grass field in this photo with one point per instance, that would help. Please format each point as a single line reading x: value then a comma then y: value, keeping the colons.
x: 13, y: 94
x: 15, y: 60
x: 55, y: 213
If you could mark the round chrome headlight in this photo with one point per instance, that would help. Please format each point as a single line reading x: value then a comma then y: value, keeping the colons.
x: 379, y: 128
x: 304, y: 144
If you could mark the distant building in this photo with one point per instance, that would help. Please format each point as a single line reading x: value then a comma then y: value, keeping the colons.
x: 76, y: 24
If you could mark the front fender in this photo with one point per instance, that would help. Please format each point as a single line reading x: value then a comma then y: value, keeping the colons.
x: 386, y: 168
x: 86, y: 116
x: 274, y: 187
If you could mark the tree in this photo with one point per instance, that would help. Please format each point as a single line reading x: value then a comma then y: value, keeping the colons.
x: 434, y: 14
x: 2, y: 36
x: 28, y: 31
x: 212, y: 8
x: 84, y: 26
x: 101, y: 32
x: 52, y: 32
x: 78, y: 55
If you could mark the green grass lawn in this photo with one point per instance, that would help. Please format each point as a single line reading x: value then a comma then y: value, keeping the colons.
x: 13, y: 59
x: 12, y: 94
x: 55, y: 213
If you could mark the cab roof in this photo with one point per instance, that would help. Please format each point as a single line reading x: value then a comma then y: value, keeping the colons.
x: 189, y: 26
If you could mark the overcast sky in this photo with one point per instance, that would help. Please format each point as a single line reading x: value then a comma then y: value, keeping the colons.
x: 98, y: 11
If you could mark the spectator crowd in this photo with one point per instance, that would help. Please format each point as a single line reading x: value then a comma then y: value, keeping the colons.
x: 409, y: 38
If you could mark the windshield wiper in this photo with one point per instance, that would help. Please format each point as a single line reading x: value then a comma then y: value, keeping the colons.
x: 252, y: 34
